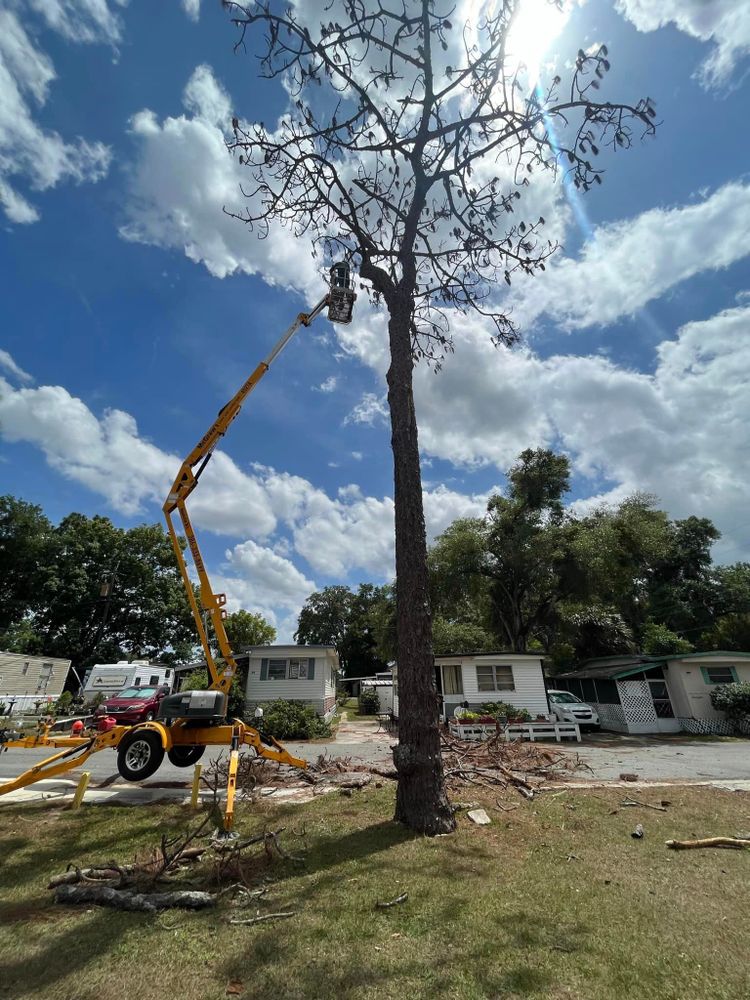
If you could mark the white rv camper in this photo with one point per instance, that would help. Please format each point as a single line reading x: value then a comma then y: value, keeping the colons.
x: 109, y: 678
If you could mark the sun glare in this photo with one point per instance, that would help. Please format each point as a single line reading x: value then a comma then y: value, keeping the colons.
x: 535, y: 26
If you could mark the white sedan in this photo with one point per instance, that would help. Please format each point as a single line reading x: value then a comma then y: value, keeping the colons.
x: 567, y: 708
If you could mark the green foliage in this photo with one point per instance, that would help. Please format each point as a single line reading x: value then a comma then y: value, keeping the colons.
x: 198, y: 681
x: 504, y: 710
x: 369, y: 702
x: 351, y: 622
x: 733, y: 700
x: 660, y: 641
x: 731, y: 632
x: 460, y: 637
x: 25, y: 536
x: 63, y: 703
x: 246, y: 628
x: 51, y: 588
x: 292, y: 720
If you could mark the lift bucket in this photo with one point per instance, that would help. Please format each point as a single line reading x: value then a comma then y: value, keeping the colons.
x: 341, y: 297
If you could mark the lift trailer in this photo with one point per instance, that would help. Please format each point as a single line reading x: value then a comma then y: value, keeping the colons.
x: 188, y: 721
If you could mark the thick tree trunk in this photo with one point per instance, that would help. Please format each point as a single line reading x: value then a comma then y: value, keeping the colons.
x: 421, y: 800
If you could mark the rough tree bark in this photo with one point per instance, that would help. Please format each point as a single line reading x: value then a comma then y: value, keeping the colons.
x: 421, y: 800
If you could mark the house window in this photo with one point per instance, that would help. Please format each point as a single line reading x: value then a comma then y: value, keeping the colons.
x: 25, y: 668
x: 493, y: 678
x: 154, y: 679
x: 277, y: 670
x: 719, y: 675
x: 452, y: 681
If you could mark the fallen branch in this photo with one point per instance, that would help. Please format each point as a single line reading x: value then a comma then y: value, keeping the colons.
x: 645, y: 805
x: 119, y: 899
x: 733, y: 843
x: 263, y: 917
x: 393, y: 902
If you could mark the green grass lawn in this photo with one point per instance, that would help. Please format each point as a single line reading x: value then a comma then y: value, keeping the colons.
x: 492, y: 912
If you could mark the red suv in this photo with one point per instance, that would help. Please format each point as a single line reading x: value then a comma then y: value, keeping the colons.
x: 133, y: 704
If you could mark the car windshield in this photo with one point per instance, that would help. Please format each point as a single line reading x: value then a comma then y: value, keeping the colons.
x: 564, y: 698
x: 136, y: 693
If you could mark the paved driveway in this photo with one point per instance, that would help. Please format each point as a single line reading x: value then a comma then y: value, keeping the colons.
x: 660, y: 758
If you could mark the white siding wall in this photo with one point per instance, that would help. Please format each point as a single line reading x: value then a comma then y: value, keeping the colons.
x: 690, y: 694
x: 35, y: 676
x: 314, y: 692
x: 528, y: 678
x: 529, y: 690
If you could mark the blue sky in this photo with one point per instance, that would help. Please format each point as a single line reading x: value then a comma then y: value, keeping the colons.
x: 132, y: 307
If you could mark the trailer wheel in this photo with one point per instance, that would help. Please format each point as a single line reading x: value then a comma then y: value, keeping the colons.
x: 182, y: 756
x: 139, y: 754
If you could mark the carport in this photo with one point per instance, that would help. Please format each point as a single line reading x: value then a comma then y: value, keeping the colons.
x: 629, y: 698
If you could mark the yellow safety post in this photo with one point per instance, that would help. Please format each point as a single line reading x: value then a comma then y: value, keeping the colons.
x: 83, y: 784
x: 196, y: 786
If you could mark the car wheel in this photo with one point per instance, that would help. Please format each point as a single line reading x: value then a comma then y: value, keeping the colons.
x: 185, y: 756
x: 139, y: 754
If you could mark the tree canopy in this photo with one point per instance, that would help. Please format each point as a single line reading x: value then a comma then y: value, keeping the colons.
x: 92, y: 592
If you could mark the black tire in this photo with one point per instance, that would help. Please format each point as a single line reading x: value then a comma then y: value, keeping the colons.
x: 139, y: 754
x: 182, y: 756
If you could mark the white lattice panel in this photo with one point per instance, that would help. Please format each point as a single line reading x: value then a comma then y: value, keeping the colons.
x: 637, y: 703
x: 612, y: 716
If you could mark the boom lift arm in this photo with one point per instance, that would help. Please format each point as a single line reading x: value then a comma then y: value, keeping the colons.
x: 187, y: 479
x: 340, y: 301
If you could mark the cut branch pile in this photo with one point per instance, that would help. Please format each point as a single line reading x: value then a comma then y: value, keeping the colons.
x: 498, y: 763
x: 139, y: 884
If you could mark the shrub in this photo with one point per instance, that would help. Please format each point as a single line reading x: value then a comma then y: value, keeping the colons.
x: 369, y: 703
x: 733, y: 700
x: 503, y: 710
x: 63, y: 703
x: 292, y: 720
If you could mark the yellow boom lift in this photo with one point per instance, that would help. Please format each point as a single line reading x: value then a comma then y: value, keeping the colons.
x: 188, y: 721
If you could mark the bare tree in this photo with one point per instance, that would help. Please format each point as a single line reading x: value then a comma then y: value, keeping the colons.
x: 408, y: 144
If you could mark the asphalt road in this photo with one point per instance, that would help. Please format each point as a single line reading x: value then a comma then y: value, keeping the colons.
x: 682, y: 759
x: 608, y: 755
x: 356, y: 740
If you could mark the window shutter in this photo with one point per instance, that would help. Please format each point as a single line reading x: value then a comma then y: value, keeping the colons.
x: 311, y: 668
x: 264, y: 669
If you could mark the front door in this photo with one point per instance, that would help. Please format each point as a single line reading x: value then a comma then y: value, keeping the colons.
x: 665, y: 718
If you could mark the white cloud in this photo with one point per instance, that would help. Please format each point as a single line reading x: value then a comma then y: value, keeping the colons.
x: 329, y: 385
x: 679, y: 432
x: 192, y: 8
x: 82, y: 20
x: 40, y: 157
x: 183, y: 180
x: 10, y: 366
x: 205, y: 98
x: 726, y: 23
x: 357, y: 456
x: 259, y: 577
x: 631, y: 262
x: 369, y: 410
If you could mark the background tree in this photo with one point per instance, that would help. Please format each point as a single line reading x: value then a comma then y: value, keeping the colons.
x: 24, y: 540
x: 143, y: 614
x: 325, y: 618
x: 247, y: 628
x: 348, y: 621
x: 413, y: 167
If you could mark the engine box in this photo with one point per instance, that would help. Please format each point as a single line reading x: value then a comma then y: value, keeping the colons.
x: 206, y: 705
